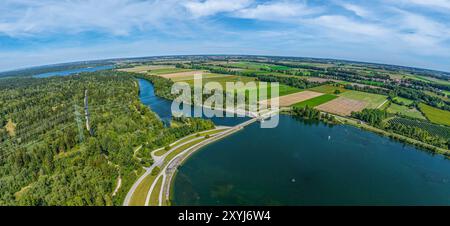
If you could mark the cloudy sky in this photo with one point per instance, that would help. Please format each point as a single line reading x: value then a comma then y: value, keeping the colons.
x: 404, y: 32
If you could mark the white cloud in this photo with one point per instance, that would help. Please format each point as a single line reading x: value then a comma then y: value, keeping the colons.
x: 211, y: 7
x: 358, y: 10
x: 383, y: 27
x: 118, y: 17
x: 276, y: 11
x: 349, y: 26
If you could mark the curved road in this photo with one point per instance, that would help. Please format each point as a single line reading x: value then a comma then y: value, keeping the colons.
x: 158, y: 161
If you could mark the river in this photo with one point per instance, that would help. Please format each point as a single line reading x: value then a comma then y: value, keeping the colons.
x: 305, y: 163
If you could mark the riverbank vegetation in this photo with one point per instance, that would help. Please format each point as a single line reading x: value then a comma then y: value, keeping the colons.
x: 376, y: 118
x: 307, y: 112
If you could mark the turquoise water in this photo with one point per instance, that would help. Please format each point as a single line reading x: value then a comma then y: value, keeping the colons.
x: 306, y: 163
x: 73, y: 71
x: 297, y: 163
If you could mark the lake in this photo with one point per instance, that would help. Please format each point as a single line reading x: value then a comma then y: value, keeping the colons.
x: 73, y: 71
x: 306, y: 163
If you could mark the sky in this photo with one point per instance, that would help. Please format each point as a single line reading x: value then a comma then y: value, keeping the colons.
x: 402, y: 32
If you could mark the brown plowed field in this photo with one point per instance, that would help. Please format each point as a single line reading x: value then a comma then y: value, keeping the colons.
x: 342, y: 106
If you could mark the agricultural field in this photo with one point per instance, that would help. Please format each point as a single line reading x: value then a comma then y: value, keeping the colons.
x: 286, y: 90
x: 435, y: 115
x: 447, y: 93
x: 145, y: 68
x: 429, y: 79
x: 328, y: 89
x: 372, y: 100
x: 288, y: 100
x: 223, y: 79
x: 316, y: 101
x: 182, y: 75
x: 433, y: 129
x: 404, y: 100
x: 406, y: 111
x: 342, y: 106
x: 168, y: 71
x: 191, y: 77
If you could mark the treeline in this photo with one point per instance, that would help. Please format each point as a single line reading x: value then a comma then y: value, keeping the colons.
x: 371, y: 116
x: 290, y: 81
x: 311, y: 113
x: 418, y: 95
x: 375, y: 118
x: 47, y: 156
x: 162, y: 86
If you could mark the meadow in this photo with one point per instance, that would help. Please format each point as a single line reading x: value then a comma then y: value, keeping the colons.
x: 404, y: 100
x: 372, y: 100
x: 328, y: 89
x: 404, y: 110
x: 168, y: 71
x: 316, y: 101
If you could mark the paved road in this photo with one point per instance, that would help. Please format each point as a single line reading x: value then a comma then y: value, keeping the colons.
x: 158, y: 161
x: 178, y: 159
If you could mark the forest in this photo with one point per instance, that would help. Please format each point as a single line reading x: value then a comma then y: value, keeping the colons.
x: 48, y: 157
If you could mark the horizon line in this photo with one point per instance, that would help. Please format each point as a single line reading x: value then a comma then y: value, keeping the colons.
x: 206, y: 55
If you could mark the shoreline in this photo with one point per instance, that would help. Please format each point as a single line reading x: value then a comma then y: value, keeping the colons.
x: 391, y: 135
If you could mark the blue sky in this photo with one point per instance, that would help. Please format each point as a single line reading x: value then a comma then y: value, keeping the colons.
x: 404, y: 32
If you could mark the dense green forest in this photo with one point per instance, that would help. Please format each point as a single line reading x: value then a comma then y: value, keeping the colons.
x: 48, y: 157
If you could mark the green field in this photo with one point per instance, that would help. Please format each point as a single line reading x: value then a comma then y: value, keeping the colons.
x: 259, y: 66
x: 327, y: 89
x: 247, y: 65
x: 406, y: 111
x: 163, y: 151
x: 404, y: 100
x: 190, y: 78
x: 316, y: 101
x: 446, y: 93
x: 372, y: 100
x: 435, y: 115
x: 286, y: 90
x: 139, y: 195
x: 429, y: 79
x: 223, y: 79
x: 437, y: 130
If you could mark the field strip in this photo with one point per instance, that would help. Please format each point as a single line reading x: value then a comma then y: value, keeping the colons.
x: 382, y: 104
x: 288, y: 100
x: 204, y: 76
x: 181, y: 74
x: 342, y: 106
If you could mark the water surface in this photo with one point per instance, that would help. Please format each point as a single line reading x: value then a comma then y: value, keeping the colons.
x: 162, y: 107
x: 300, y: 163
x: 73, y: 71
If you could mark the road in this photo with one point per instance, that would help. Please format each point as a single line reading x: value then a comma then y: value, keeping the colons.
x: 158, y: 161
